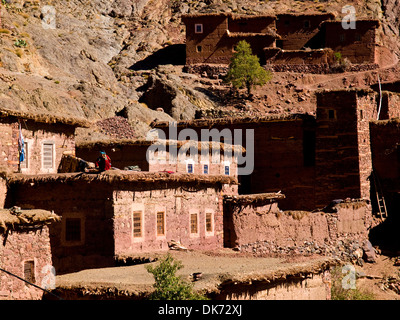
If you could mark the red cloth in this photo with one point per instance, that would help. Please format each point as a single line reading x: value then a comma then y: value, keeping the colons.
x: 103, y: 164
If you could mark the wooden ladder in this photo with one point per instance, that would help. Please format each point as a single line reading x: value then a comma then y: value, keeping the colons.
x: 380, y: 199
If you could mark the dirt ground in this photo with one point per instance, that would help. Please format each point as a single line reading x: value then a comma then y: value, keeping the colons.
x: 376, y: 279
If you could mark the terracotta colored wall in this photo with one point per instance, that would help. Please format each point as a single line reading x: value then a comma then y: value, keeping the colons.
x: 90, y: 202
x: 254, y: 226
x: 278, y: 161
x: 253, y: 25
x: 342, y: 146
x: 106, y: 213
x: 214, y: 28
x: 34, y: 134
x: 177, y: 205
x: 295, y: 35
x: 360, y: 50
x: 385, y: 138
x: 19, y: 247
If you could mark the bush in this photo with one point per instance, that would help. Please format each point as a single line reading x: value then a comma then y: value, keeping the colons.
x: 340, y: 293
x: 169, y: 286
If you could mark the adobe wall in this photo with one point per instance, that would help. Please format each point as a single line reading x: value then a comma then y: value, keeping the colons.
x: 251, y: 24
x: 358, y: 45
x: 312, y: 287
x: 34, y: 134
x: 385, y: 141
x: 294, y: 33
x: 92, y: 202
x: 279, y: 160
x: 214, y: 28
x: 278, y: 56
x: 3, y: 192
x: 301, y: 232
x: 177, y: 204
x: 19, y: 247
x: 343, y: 160
x: 390, y: 105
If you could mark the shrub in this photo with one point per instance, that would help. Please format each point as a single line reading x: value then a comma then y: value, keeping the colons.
x: 340, y: 293
x: 169, y: 286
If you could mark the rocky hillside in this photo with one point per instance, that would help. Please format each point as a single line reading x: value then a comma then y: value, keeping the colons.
x: 107, y: 58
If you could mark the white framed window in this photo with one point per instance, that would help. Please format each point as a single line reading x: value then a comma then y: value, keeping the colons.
x: 160, y: 224
x: 137, y: 218
x: 227, y: 168
x: 198, y: 28
x: 189, y: 166
x: 48, y: 155
x: 194, y: 224
x: 206, y: 168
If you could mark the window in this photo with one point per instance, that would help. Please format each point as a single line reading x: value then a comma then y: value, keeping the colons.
x: 209, y: 222
x: 73, y: 229
x: 194, y: 223
x: 48, y: 155
x: 199, y: 48
x: 361, y: 115
x: 226, y: 169
x: 25, y: 163
x: 137, y: 224
x: 331, y: 114
x: 160, y: 223
x: 29, y: 271
x: 205, y: 168
x: 189, y: 166
x: 198, y: 28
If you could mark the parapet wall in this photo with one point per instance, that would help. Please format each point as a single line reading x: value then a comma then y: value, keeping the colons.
x: 257, y: 229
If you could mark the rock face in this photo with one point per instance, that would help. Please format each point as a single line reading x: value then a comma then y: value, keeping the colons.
x: 86, y: 65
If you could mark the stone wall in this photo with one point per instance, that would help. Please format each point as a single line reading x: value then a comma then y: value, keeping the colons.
x: 302, y: 232
x: 34, y: 134
x: 357, y: 45
x: 343, y: 160
x: 177, y: 206
x: 21, y: 247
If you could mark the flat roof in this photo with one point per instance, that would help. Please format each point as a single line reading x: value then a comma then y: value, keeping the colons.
x: 44, y: 117
x: 219, y: 268
x: 208, y: 123
x: 119, y: 177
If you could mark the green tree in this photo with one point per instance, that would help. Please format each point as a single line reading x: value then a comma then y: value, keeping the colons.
x: 245, y: 70
x: 169, y: 286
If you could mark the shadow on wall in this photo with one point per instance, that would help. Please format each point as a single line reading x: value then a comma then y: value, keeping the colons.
x: 174, y: 54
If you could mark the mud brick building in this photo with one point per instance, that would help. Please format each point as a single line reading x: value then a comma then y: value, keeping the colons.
x: 284, y: 154
x: 299, y: 31
x: 358, y: 45
x: 283, y: 39
x: 343, y: 152
x: 210, y: 38
x: 119, y: 213
x: 46, y: 138
x: 197, y: 157
x: 25, y: 252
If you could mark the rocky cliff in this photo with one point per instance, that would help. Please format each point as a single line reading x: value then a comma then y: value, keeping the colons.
x: 104, y: 58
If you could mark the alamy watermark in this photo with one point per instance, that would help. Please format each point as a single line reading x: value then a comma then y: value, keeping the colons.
x: 187, y: 145
x: 349, y: 20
